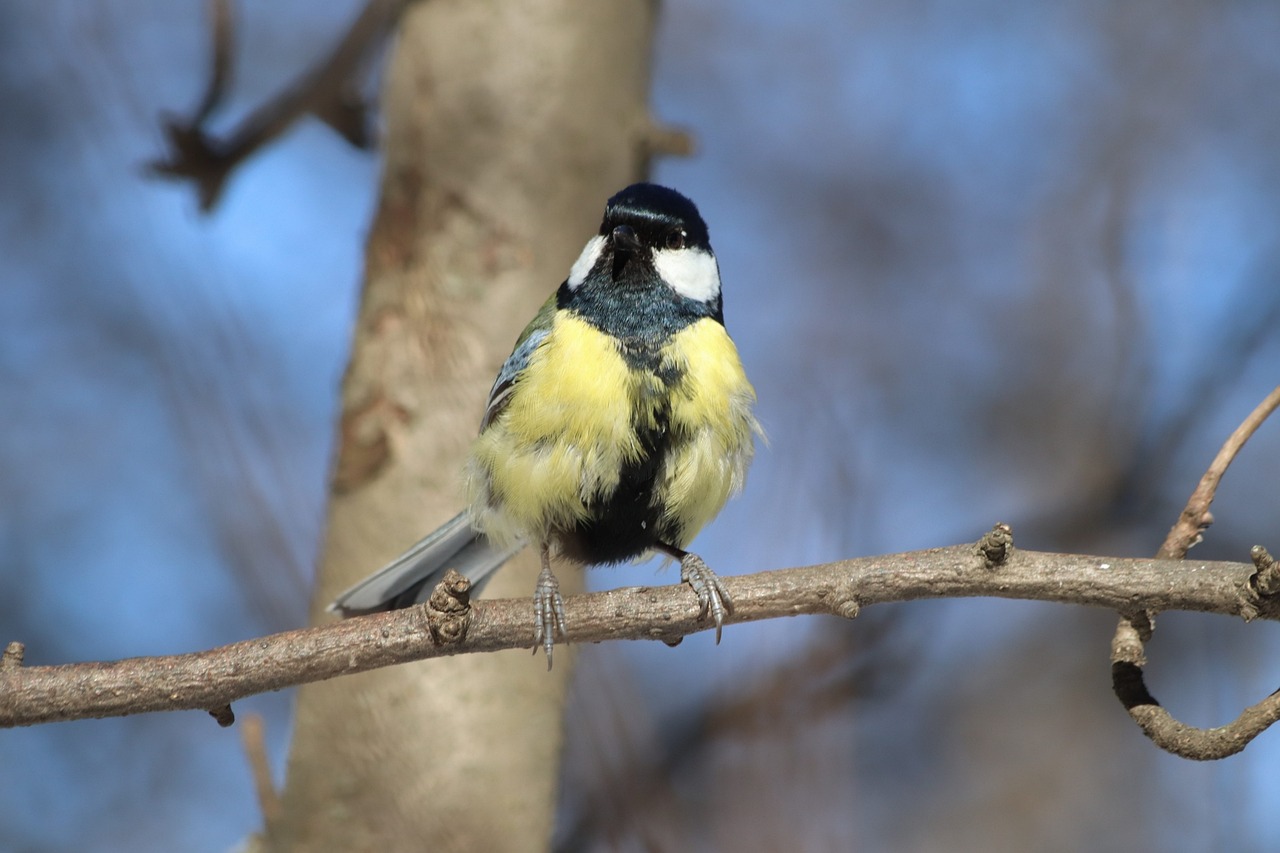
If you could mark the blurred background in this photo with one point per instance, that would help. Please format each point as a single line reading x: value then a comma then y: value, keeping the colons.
x: 984, y: 262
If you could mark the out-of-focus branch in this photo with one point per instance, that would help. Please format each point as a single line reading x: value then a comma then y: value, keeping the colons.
x: 215, y: 678
x: 1128, y: 648
x: 253, y: 736
x: 329, y: 91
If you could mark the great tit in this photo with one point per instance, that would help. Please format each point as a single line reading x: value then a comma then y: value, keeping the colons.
x: 619, y: 425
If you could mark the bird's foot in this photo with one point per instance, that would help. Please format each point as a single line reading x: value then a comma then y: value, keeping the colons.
x: 548, y: 613
x: 712, y: 598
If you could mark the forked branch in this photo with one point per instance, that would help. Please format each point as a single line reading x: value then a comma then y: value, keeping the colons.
x: 330, y: 91
x: 1128, y: 648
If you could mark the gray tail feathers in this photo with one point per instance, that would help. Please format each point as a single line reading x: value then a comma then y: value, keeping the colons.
x: 409, y: 578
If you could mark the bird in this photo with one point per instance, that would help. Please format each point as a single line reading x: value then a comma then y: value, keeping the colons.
x: 619, y: 426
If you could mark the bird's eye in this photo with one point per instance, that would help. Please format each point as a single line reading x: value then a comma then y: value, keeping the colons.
x: 676, y: 238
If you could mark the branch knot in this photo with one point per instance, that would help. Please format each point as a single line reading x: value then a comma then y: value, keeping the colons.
x: 996, y: 545
x: 449, y: 609
x: 1262, y: 585
x: 223, y: 715
x: 1266, y: 580
x: 13, y: 654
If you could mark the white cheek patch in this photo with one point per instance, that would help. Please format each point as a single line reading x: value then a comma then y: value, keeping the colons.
x: 582, y: 266
x: 692, y: 273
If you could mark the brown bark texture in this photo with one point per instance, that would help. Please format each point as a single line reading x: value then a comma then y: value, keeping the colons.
x: 214, y: 679
x: 507, y: 126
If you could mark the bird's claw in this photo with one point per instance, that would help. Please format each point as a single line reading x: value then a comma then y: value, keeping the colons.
x: 712, y: 597
x: 548, y: 613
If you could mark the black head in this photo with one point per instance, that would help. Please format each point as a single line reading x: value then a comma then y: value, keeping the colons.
x: 653, y: 245
x: 660, y: 218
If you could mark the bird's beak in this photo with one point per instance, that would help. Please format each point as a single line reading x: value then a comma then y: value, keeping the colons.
x: 625, y: 239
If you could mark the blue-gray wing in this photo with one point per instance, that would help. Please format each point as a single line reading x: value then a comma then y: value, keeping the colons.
x: 412, y: 576
x: 505, y: 384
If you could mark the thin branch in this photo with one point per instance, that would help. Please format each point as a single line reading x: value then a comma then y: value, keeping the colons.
x: 253, y: 736
x: 210, y: 679
x: 328, y: 91
x: 1195, y: 517
x: 222, y: 28
x: 1128, y: 647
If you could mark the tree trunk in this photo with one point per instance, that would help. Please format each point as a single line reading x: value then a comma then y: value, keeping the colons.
x: 508, y: 125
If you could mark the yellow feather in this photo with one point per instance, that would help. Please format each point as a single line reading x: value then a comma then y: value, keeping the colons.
x: 712, y: 427
x: 561, y: 440
x: 571, y: 426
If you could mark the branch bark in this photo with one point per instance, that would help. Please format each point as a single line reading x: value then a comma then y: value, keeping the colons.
x: 204, y: 680
x: 1128, y: 647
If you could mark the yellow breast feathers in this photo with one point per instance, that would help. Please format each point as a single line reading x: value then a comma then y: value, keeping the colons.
x: 574, y: 421
x: 712, y: 427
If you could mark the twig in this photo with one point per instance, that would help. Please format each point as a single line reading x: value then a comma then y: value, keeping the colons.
x: 327, y: 91
x: 1128, y: 647
x: 221, y: 26
x: 252, y: 735
x: 1195, y: 517
x: 209, y: 679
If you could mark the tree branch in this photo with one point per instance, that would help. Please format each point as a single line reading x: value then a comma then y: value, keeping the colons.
x: 328, y: 91
x: 450, y: 624
x: 1128, y: 647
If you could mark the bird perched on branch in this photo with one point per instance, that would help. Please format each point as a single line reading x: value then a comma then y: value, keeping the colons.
x: 619, y: 425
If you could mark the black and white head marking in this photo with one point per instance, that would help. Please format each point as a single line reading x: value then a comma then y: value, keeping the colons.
x: 582, y: 266
x: 662, y: 230
x: 690, y: 272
